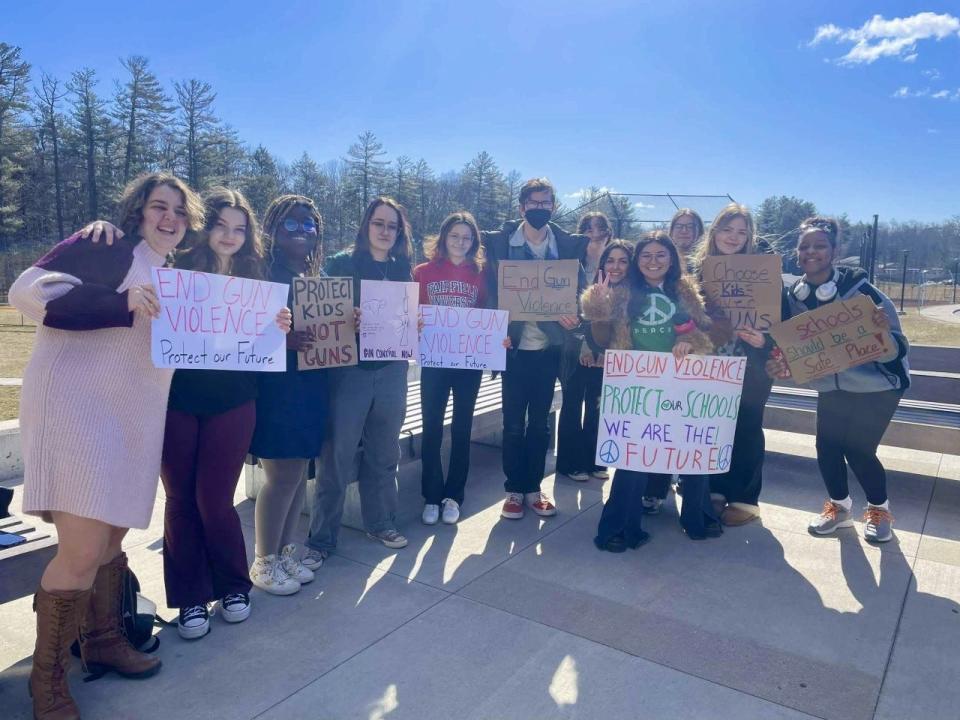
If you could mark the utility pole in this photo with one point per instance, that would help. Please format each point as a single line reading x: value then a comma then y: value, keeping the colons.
x: 903, y: 282
x: 873, y: 250
x: 956, y: 272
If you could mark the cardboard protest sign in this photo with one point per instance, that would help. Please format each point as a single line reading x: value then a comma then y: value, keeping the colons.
x: 747, y: 287
x: 388, y: 320
x: 217, y: 322
x: 835, y: 337
x: 323, y: 307
x: 466, y: 338
x: 658, y: 414
x: 538, y: 289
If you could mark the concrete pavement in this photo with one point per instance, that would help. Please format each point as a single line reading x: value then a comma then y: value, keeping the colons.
x: 526, y: 619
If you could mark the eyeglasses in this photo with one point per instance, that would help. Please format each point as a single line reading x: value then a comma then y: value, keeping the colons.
x: 542, y: 204
x: 461, y: 239
x: 308, y: 225
x: 650, y: 257
x: 685, y: 226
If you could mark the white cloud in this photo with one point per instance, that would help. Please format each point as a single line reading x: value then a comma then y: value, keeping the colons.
x: 906, y: 92
x: 897, y: 37
x: 641, y: 206
x: 583, y: 193
x: 932, y: 131
x: 932, y: 73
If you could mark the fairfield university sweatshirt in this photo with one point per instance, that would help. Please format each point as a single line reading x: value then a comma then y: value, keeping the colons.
x: 443, y: 283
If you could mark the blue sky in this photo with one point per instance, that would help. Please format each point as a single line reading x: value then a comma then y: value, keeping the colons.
x: 682, y: 97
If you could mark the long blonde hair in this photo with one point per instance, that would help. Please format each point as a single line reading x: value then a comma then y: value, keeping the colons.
x: 730, y: 212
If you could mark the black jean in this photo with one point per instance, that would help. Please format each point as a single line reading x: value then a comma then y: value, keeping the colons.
x: 849, y: 429
x: 579, y: 421
x: 527, y: 388
x: 623, y: 512
x: 436, y: 384
x: 743, y: 481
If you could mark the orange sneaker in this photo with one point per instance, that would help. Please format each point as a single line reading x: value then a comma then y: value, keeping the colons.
x: 513, y: 506
x: 540, y: 503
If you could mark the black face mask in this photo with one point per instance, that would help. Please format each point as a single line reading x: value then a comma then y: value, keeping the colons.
x: 537, y: 217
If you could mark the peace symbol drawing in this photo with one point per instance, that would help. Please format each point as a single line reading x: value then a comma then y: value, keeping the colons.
x: 660, y: 311
x: 609, y: 452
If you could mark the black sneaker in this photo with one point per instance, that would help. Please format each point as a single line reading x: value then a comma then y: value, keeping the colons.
x: 235, y: 607
x: 194, y: 622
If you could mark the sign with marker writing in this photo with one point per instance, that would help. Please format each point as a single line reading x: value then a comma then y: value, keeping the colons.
x: 323, y: 307
x: 217, y: 322
x: 835, y: 337
x: 388, y: 320
x: 463, y: 338
x: 663, y: 415
x: 538, y: 289
x: 746, y: 287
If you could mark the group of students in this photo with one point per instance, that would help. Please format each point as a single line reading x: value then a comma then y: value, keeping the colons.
x: 99, y: 422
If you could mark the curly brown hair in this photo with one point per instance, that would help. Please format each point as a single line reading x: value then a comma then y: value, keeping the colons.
x: 134, y: 198
x: 248, y: 260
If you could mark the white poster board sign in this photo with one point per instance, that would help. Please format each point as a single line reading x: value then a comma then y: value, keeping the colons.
x: 388, y: 320
x: 661, y: 415
x: 463, y: 338
x: 217, y: 322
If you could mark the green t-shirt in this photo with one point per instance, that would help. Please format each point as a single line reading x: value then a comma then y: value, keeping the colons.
x: 652, y: 329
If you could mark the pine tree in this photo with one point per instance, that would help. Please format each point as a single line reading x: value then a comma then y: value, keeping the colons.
x: 143, y: 110
x: 48, y: 97
x: 366, y: 168
x: 196, y: 124
x: 14, y: 100
x: 92, y: 126
x: 262, y: 182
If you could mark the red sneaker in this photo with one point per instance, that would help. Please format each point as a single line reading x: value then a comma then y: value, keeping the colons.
x: 513, y: 506
x: 540, y: 503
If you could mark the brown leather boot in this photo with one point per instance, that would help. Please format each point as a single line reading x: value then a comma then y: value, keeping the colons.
x: 103, y: 642
x: 58, y: 619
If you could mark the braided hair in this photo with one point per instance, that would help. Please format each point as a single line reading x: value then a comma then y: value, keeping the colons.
x: 276, y: 213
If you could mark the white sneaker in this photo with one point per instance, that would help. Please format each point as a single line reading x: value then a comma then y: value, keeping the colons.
x: 194, y: 622
x: 313, y: 559
x: 268, y: 574
x: 451, y: 511
x: 601, y: 474
x: 235, y: 607
x: 431, y: 513
x: 578, y: 476
x: 292, y: 565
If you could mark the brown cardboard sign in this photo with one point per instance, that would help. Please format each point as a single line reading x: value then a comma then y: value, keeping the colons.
x: 746, y: 287
x: 832, y: 338
x: 538, y: 289
x: 323, y: 307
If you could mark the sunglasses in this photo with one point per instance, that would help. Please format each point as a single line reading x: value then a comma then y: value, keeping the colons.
x: 308, y: 225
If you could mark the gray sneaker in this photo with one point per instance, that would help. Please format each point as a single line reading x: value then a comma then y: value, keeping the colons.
x: 832, y: 516
x: 878, y: 525
x: 390, y: 537
x: 313, y: 559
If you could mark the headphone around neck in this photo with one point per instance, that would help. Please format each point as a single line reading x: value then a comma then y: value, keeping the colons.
x: 824, y: 293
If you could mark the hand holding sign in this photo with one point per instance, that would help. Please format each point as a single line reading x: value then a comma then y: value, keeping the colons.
x: 746, y: 287
x: 538, y: 289
x: 833, y: 338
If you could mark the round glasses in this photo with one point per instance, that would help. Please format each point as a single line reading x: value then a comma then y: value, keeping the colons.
x: 308, y: 225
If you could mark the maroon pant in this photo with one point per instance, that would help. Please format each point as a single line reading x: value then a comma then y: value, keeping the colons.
x: 204, y: 556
